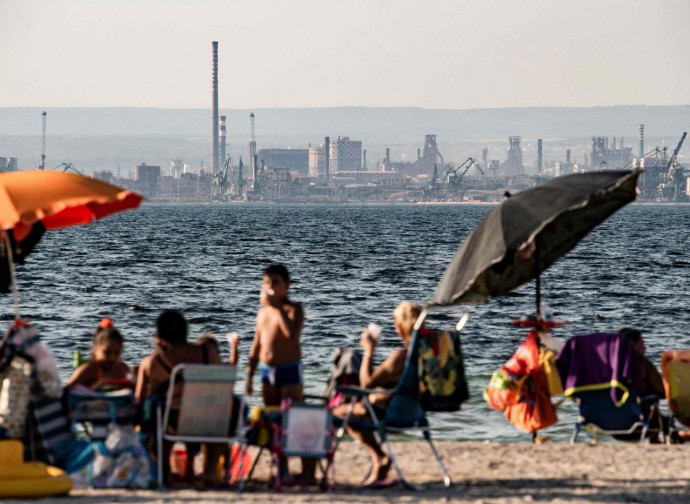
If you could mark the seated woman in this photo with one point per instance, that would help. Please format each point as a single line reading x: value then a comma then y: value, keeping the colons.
x: 385, y: 376
x: 172, y: 349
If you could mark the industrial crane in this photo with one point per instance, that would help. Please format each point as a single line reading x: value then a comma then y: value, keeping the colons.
x: 252, y: 155
x: 451, y: 177
x: 42, y: 166
x: 68, y: 167
x: 221, y: 178
x: 675, y: 171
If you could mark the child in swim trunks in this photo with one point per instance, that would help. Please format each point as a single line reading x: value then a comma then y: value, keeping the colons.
x: 276, y: 347
x: 104, y: 371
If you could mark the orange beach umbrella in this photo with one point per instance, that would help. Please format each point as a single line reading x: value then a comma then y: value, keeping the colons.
x: 57, y: 199
x: 51, y: 200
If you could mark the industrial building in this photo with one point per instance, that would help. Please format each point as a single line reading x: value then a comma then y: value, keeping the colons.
x: 345, y: 155
x: 604, y: 157
x: 317, y: 160
x: 512, y: 166
x: 296, y: 160
x: 146, y: 178
x: 8, y: 164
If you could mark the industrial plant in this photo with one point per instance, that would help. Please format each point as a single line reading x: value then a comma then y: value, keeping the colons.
x: 340, y: 167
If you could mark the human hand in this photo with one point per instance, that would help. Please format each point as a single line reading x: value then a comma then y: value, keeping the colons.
x: 233, y: 339
x: 368, y: 341
x: 266, y: 297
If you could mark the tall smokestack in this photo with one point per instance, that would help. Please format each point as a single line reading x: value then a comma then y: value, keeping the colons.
x: 419, y: 153
x: 364, y: 163
x: 567, y: 156
x: 640, y: 130
x: 540, y: 165
x: 388, y: 158
x: 214, y: 104
x: 327, y: 147
x: 223, y: 136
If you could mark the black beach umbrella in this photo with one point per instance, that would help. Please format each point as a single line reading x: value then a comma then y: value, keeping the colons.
x: 529, y: 231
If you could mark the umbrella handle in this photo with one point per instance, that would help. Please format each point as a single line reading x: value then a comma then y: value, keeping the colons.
x: 13, y: 278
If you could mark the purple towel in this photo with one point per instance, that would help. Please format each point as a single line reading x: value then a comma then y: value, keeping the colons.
x: 598, y: 359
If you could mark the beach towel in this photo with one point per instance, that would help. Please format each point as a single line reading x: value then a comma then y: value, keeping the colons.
x: 442, y: 382
x: 597, y: 362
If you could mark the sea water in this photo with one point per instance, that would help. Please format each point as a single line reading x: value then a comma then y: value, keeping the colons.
x: 351, y: 265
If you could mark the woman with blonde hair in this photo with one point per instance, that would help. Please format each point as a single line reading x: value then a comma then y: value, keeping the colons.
x: 384, y: 376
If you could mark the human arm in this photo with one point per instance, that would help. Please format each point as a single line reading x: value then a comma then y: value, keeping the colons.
x: 234, y: 342
x: 143, y: 379
x: 387, y: 372
x: 254, y: 354
x: 81, y: 376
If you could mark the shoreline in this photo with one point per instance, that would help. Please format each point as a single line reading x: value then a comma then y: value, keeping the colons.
x: 496, y: 473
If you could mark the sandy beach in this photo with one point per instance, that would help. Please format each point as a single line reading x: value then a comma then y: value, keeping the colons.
x: 482, y: 472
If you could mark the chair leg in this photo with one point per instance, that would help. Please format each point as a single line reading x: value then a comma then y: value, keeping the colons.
x: 159, y: 448
x: 446, y: 477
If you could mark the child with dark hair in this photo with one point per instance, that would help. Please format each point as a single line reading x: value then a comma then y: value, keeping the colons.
x: 276, y: 348
x: 104, y: 369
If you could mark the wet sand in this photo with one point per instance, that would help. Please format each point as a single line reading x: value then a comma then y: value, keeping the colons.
x: 482, y: 472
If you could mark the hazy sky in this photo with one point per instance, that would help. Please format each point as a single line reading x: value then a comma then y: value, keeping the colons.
x: 314, y: 53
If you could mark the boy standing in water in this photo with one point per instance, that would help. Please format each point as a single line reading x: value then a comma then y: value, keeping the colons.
x: 276, y: 347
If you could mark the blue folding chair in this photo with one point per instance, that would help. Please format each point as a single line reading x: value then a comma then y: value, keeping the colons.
x: 405, y: 412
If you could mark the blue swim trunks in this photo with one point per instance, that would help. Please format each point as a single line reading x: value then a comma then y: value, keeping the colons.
x: 282, y: 375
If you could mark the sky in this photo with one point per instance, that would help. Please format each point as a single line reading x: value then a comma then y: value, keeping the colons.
x: 440, y: 54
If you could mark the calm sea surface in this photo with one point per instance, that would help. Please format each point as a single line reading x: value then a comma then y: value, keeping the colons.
x: 351, y: 266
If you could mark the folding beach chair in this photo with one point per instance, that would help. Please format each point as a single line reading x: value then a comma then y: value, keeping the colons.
x: 601, y: 372
x: 420, y: 390
x: 205, y: 407
x: 675, y: 370
x: 91, y: 411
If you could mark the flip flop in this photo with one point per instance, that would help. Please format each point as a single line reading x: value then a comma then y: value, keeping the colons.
x: 381, y: 483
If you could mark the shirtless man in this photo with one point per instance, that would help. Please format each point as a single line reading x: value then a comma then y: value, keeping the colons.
x: 276, y: 349
x: 172, y: 348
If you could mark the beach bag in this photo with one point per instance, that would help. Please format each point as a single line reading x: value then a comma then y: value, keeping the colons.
x: 535, y: 410
x: 345, y: 371
x: 15, y: 396
x: 442, y: 382
x: 119, y: 462
x: 547, y: 361
x: 25, y: 338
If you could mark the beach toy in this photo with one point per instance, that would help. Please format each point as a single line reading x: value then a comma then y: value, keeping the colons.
x: 28, y: 479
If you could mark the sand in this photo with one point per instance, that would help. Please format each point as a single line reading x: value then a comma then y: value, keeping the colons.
x: 482, y: 472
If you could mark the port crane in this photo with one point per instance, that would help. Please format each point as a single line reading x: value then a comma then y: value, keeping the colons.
x: 68, y: 167
x: 452, y: 175
x: 42, y: 166
x: 675, y: 171
x: 222, y: 177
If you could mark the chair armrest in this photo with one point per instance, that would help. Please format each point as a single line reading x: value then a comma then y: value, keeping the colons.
x: 352, y: 390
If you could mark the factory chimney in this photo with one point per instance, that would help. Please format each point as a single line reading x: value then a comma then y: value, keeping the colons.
x: 419, y: 153
x: 640, y: 129
x: 223, y: 136
x: 540, y: 159
x: 327, y: 148
x: 567, y: 156
x: 214, y: 104
x: 364, y: 162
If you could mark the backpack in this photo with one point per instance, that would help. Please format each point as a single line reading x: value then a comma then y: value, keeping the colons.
x: 442, y: 382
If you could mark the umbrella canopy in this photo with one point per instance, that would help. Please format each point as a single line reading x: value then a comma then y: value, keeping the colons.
x: 529, y: 231
x: 57, y: 199
x: 33, y: 201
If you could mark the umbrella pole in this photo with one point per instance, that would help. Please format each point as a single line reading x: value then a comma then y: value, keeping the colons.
x: 13, y: 278
x: 537, y: 275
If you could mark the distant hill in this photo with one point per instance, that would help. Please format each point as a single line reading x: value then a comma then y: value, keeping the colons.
x: 380, y: 124
x: 107, y: 138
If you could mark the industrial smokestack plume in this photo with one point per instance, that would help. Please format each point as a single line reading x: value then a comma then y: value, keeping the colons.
x: 640, y: 130
x: 327, y: 147
x: 214, y: 104
x: 223, y: 136
x: 540, y: 165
